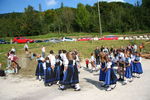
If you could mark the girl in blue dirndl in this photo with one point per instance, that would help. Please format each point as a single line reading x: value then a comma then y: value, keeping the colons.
x: 138, y: 65
x: 58, y: 69
x: 110, y: 78
x: 102, y: 72
x: 49, y: 73
x: 40, y: 70
x: 70, y: 77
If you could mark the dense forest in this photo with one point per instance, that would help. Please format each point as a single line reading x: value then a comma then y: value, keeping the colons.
x: 115, y: 17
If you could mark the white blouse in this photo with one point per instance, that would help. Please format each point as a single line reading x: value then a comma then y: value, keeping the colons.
x: 132, y: 57
x: 44, y: 65
x: 108, y: 64
x: 52, y: 59
x: 92, y: 58
x: 65, y: 60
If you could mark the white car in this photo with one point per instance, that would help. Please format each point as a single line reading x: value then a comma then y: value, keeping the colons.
x: 135, y: 37
x: 130, y: 38
x: 95, y: 38
x: 68, y: 39
x: 145, y: 36
x: 141, y: 37
x: 126, y: 38
x: 120, y: 38
x: 138, y: 38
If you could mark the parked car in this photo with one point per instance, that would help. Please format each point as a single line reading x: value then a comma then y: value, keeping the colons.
x: 54, y: 40
x: 130, y: 38
x: 22, y: 40
x: 3, y: 42
x: 45, y: 40
x: 145, y: 36
x: 84, y: 39
x: 95, y: 38
x: 120, y: 38
x: 126, y: 38
x: 38, y: 41
x: 110, y: 37
x: 68, y: 39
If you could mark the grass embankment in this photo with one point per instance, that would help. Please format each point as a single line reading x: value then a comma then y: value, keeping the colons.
x: 85, y: 48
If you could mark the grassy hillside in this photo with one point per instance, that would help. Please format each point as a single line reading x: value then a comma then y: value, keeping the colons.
x: 85, y: 47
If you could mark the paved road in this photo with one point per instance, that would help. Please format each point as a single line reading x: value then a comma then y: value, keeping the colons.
x: 18, y: 88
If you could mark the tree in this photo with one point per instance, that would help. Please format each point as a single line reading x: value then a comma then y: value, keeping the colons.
x: 82, y: 17
x: 67, y: 18
x: 62, y: 5
x: 146, y: 13
x: 115, y: 17
x: 32, y: 22
x: 40, y: 8
x: 146, y: 3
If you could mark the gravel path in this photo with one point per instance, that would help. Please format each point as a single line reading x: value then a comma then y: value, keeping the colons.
x: 18, y: 88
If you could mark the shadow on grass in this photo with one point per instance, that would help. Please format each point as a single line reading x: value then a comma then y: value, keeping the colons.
x: 97, y: 84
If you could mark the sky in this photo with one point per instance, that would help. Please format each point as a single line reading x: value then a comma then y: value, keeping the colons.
x: 8, y: 6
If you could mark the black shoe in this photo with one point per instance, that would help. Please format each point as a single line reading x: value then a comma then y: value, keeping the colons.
x: 119, y: 79
x: 106, y: 86
x: 73, y: 86
x: 50, y: 84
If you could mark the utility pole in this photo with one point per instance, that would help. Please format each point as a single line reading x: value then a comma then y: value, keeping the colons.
x: 100, y: 26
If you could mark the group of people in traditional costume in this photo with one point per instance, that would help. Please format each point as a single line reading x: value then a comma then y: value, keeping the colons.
x: 61, y: 69
x: 121, y: 64
x: 116, y: 65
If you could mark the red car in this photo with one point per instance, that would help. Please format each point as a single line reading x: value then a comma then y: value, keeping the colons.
x: 22, y: 40
x: 111, y: 37
x: 84, y: 39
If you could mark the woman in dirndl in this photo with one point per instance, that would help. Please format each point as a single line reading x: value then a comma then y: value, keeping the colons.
x: 75, y: 77
x: 103, y: 68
